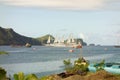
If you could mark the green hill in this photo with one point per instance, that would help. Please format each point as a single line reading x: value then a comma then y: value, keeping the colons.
x: 81, y: 40
x: 44, y: 39
x: 10, y: 37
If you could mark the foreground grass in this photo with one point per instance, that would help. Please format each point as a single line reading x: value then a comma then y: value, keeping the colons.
x: 99, y: 75
x: 3, y: 52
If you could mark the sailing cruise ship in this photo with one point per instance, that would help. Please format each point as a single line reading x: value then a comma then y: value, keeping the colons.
x: 70, y: 42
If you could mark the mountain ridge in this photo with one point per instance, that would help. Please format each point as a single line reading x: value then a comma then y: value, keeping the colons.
x: 9, y: 37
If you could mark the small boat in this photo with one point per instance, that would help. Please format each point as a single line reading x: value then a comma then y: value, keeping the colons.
x: 71, y: 50
x: 91, y: 67
x: 117, y: 44
x: 109, y: 67
x: 112, y: 68
x: 28, y: 45
x: 79, y: 46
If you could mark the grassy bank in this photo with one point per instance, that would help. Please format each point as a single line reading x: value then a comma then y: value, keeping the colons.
x: 99, y: 75
x: 79, y: 71
x: 3, y: 52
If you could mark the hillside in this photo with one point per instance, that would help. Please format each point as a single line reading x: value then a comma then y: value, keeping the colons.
x: 10, y: 37
x: 81, y: 40
x: 44, y: 39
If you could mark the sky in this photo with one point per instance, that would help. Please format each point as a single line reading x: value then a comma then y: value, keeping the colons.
x: 95, y: 21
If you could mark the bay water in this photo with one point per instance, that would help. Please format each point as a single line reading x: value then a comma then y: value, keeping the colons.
x: 42, y: 60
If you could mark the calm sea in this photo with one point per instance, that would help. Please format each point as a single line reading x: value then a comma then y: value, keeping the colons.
x: 42, y: 60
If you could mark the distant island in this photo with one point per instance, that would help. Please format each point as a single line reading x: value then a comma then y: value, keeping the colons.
x: 9, y: 37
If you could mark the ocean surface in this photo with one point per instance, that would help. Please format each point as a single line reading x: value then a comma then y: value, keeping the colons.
x: 42, y: 60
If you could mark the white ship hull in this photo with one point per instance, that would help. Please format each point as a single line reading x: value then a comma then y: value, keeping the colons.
x: 56, y: 45
x: 63, y: 45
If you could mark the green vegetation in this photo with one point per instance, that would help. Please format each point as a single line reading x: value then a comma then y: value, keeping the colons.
x: 44, y: 78
x: 81, y: 40
x: 44, y: 39
x: 68, y: 66
x: 80, y: 66
x: 2, y: 74
x: 3, y: 52
x: 100, y: 66
x: 10, y: 37
x: 21, y: 76
x: 47, y: 78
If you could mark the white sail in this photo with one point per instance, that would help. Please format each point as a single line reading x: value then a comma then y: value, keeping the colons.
x: 70, y: 39
x: 56, y: 40
x: 62, y: 39
x: 73, y: 40
x: 48, y: 41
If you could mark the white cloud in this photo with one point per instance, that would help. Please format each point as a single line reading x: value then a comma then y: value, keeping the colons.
x: 111, y: 5
x: 67, y: 4
x: 82, y: 36
x: 60, y: 4
x: 103, y: 39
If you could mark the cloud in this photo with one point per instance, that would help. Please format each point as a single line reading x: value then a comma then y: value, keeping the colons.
x: 117, y: 34
x: 63, y: 30
x: 82, y: 36
x: 103, y: 39
x: 67, y: 4
x: 111, y: 5
x: 59, y: 4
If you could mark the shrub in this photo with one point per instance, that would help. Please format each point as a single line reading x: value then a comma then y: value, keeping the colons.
x: 21, y: 76
x: 31, y: 77
x: 80, y: 66
x: 100, y: 66
x: 2, y: 74
x: 68, y: 66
